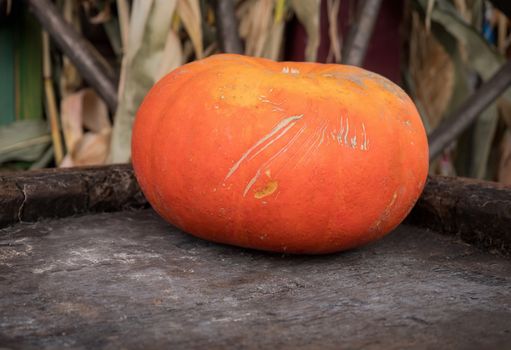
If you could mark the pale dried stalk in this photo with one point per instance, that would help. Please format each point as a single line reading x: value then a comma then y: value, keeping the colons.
x: 461, y: 6
x: 51, y: 101
x: 431, y: 4
x: 123, y: 11
x: 333, y: 31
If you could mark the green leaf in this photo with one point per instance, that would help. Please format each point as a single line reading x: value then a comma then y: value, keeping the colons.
x: 24, y: 140
x: 29, y: 77
x: 7, y: 88
x: 44, y: 160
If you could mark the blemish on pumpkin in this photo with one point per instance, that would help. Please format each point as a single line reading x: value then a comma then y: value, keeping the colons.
x: 273, y: 140
x: 252, y: 182
x: 343, y: 76
x: 385, y: 214
x: 313, y: 144
x: 347, y: 131
x: 276, y: 106
x: 354, y: 141
x: 365, y: 141
x: 341, y: 132
x: 285, y: 124
x: 322, y: 135
x: 289, y: 70
x: 267, y: 190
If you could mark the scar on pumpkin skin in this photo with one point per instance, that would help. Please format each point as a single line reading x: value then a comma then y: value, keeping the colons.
x: 272, y: 141
x: 276, y: 106
x: 252, y: 182
x: 341, y: 131
x: 347, y: 130
x: 363, y: 146
x: 267, y: 163
x: 343, y: 137
x: 354, y: 140
x: 314, y: 143
x: 323, y: 135
x: 267, y: 190
x: 282, y: 124
x: 385, y: 214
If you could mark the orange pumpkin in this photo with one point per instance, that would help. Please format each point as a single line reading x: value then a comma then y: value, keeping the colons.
x: 280, y: 156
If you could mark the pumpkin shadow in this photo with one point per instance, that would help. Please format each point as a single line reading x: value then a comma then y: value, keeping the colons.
x: 186, y: 241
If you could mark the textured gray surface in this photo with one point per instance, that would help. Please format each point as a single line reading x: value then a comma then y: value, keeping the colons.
x: 130, y: 280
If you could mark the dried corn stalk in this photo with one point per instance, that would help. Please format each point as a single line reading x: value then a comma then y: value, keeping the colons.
x: 153, y: 50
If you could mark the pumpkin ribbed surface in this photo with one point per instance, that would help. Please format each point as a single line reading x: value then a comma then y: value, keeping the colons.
x: 280, y: 156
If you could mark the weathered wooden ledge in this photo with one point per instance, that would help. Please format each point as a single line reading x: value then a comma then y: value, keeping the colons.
x: 478, y: 212
x: 50, y: 193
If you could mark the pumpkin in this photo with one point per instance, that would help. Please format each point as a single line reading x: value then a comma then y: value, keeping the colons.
x: 279, y: 156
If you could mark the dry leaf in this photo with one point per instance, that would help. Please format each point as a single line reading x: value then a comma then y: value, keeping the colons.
x: 149, y: 48
x: 103, y: 16
x: 273, y: 46
x: 123, y: 10
x: 71, y: 118
x: 255, y: 24
x: 462, y: 8
x: 92, y: 149
x: 189, y: 12
x: 428, y: 61
x: 262, y: 31
x: 308, y: 13
x: 429, y: 10
x: 70, y: 79
x: 504, y: 174
x: 172, y: 55
x: 83, y: 111
x: 334, y: 53
x: 94, y: 112
x: 505, y: 110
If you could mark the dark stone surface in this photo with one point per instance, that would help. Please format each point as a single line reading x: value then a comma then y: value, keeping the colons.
x: 129, y: 280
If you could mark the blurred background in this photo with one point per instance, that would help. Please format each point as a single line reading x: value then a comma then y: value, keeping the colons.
x: 73, y: 72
